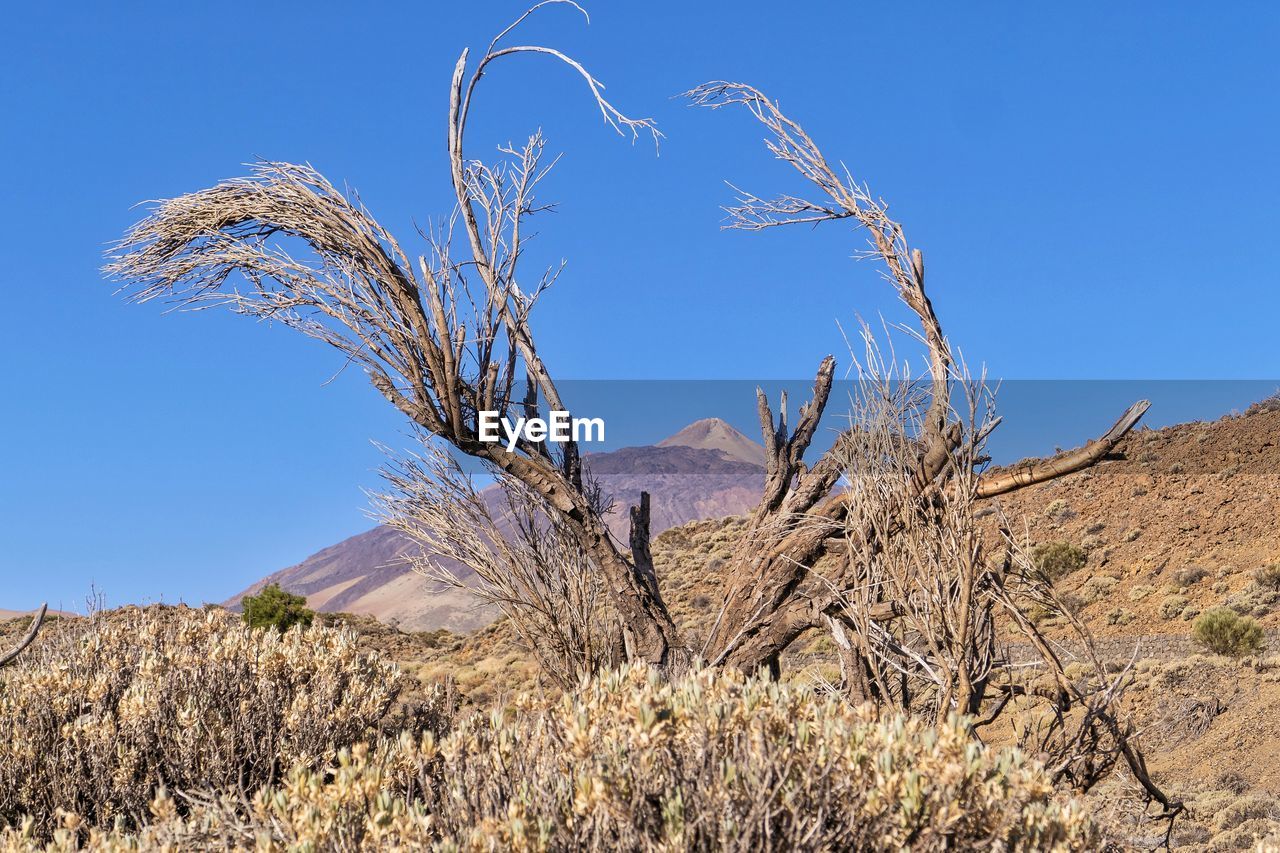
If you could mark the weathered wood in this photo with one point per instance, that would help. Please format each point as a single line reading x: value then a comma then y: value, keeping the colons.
x: 27, y: 640
x: 1068, y: 462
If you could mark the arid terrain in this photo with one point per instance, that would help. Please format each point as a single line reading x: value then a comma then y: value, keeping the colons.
x: 1175, y: 526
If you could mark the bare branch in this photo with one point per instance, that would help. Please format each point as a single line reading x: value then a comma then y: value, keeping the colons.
x: 1068, y: 462
x: 436, y: 346
x: 28, y: 639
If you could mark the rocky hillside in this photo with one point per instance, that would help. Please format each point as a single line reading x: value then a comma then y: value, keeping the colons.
x: 707, y: 470
x: 1182, y: 523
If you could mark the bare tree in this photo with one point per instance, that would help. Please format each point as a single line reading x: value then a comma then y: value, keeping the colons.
x: 894, y: 565
x: 772, y: 597
x: 449, y: 336
x: 442, y: 339
x: 27, y: 639
x: 522, y: 554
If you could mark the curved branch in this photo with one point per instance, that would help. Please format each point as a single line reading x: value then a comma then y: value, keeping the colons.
x: 36, y: 622
x: 1043, y: 470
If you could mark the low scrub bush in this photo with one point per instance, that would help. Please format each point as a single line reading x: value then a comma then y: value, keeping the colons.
x: 1268, y: 577
x: 100, y: 713
x: 1225, y: 632
x: 1173, y: 605
x: 1098, y: 588
x: 1058, y: 559
x: 1138, y: 593
x: 1059, y: 511
x: 714, y: 761
x: 1190, y: 575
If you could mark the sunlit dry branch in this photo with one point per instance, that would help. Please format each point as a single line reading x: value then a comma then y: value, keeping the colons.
x: 771, y: 599
x: 1086, y: 731
x: 921, y: 590
x: 521, y: 551
x: 907, y: 587
x: 924, y: 554
x: 443, y: 338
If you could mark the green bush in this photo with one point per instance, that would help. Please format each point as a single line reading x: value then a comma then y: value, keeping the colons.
x: 1226, y: 632
x: 275, y: 608
x: 1058, y: 559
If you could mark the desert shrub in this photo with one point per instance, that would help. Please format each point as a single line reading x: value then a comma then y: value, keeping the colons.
x: 275, y: 608
x: 1268, y: 577
x: 1231, y: 781
x: 1058, y: 559
x: 1059, y: 511
x: 1098, y: 588
x: 1173, y: 605
x: 100, y: 713
x: 1119, y: 616
x: 1140, y: 592
x: 713, y: 761
x: 1253, y: 600
x: 1247, y: 808
x: 1190, y: 576
x: 1226, y: 632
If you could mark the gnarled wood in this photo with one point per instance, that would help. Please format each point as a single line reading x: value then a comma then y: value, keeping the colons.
x: 438, y: 347
x: 1061, y: 464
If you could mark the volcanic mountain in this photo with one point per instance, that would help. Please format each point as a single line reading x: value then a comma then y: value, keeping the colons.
x: 706, y: 470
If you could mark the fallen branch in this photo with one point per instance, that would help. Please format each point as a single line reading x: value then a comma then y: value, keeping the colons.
x: 1068, y: 462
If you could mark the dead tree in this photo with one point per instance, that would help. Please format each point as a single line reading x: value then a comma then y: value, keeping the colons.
x: 771, y: 599
x: 442, y: 339
x: 450, y: 336
x: 894, y: 564
x: 27, y: 639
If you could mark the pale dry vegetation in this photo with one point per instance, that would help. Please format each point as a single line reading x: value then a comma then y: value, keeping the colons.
x: 107, y: 708
x: 632, y: 761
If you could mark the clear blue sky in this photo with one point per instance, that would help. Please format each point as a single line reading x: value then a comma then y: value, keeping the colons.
x: 1095, y: 187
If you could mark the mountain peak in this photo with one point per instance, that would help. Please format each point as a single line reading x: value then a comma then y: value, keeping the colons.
x: 715, y: 434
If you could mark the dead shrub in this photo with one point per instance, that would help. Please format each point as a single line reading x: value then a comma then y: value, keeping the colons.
x: 1268, y: 577
x: 1190, y: 576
